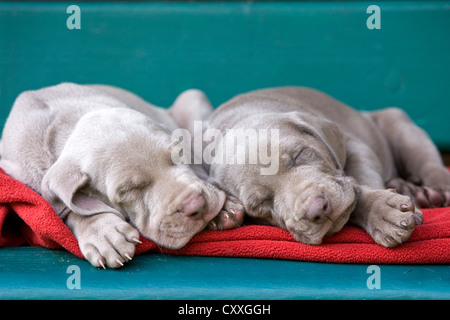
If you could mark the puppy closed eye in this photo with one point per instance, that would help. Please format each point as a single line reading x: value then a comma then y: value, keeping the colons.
x: 137, y: 183
x: 304, y: 156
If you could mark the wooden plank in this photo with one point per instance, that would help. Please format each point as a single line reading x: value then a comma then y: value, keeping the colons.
x: 37, y: 273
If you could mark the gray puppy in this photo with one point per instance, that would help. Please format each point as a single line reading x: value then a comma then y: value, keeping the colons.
x: 101, y: 157
x: 334, y: 164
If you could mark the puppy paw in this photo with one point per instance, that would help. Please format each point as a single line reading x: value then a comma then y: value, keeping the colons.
x: 392, y: 218
x: 423, y: 196
x: 231, y: 216
x: 433, y: 197
x: 107, y: 241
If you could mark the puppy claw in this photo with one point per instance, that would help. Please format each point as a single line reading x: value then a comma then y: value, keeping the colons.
x: 212, y: 226
x: 100, y: 261
x: 119, y: 262
x: 418, y: 218
x: 231, y: 216
x: 390, y: 240
x: 408, y: 207
x: 128, y: 256
x: 136, y: 241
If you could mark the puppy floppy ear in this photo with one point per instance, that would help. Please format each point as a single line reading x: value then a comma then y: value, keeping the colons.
x: 326, y: 131
x: 61, y: 187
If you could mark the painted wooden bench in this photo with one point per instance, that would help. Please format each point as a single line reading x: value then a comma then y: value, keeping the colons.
x: 158, y: 49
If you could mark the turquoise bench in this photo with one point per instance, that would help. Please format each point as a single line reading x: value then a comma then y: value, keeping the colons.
x: 37, y: 273
x: 159, y: 49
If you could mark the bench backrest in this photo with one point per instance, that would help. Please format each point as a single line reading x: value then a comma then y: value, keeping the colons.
x: 158, y: 49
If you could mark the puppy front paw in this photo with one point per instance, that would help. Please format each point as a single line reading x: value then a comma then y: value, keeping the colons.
x: 107, y: 241
x: 392, y: 218
x: 230, y: 217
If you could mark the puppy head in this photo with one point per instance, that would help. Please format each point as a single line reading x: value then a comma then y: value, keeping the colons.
x: 309, y: 195
x: 167, y: 203
x: 119, y: 161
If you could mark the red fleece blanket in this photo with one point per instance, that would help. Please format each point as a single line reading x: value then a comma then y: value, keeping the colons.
x: 26, y: 218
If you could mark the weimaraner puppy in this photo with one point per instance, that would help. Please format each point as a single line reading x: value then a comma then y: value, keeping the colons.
x: 101, y: 156
x: 334, y: 165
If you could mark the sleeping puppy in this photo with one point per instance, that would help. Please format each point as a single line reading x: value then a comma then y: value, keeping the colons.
x: 101, y: 157
x: 333, y: 164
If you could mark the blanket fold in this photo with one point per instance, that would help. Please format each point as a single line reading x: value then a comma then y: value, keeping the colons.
x: 26, y: 218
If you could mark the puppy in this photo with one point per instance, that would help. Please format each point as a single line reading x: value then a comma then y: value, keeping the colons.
x: 333, y: 165
x: 101, y: 157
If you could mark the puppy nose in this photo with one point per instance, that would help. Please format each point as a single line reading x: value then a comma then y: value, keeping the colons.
x: 320, y: 207
x: 193, y: 204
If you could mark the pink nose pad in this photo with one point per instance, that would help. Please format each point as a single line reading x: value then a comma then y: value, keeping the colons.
x: 193, y: 204
x: 320, y: 207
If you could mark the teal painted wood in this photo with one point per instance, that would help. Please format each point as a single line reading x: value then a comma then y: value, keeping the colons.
x: 159, y: 49
x: 37, y: 273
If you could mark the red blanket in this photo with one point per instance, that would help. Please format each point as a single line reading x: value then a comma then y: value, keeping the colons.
x: 26, y: 218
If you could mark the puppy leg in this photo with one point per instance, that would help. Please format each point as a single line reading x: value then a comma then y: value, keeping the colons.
x: 104, y: 239
x: 417, y: 159
x: 363, y: 165
x: 191, y: 105
x: 388, y: 217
